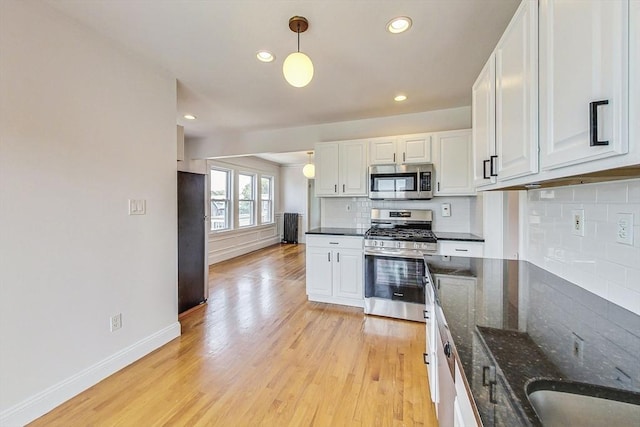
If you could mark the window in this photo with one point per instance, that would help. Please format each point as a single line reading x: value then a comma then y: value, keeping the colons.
x: 220, y: 201
x: 246, y: 200
x: 266, y: 199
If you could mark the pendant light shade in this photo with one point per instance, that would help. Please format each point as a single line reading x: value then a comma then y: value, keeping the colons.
x: 298, y: 68
x: 309, y: 170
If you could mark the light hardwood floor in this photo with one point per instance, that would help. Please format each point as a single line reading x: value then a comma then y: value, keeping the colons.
x: 260, y: 354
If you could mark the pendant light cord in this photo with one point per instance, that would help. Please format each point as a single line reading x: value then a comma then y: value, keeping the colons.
x: 298, y: 36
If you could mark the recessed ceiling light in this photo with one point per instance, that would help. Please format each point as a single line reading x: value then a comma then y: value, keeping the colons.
x: 399, y: 24
x: 189, y: 117
x: 265, y: 56
x: 400, y: 98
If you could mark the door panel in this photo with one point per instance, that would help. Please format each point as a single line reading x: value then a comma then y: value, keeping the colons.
x: 191, y: 240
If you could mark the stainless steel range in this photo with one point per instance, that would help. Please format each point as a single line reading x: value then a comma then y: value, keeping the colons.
x: 394, y: 249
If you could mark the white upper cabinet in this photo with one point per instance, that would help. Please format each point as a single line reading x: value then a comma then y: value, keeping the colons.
x: 382, y: 151
x: 415, y: 149
x: 406, y: 149
x: 453, y: 167
x: 327, y: 171
x: 505, y: 104
x: 341, y: 168
x: 353, y: 168
x: 584, y: 47
x: 483, y: 122
x: 517, y: 95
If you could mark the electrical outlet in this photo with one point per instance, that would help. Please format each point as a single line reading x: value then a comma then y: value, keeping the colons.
x: 446, y: 209
x: 116, y: 322
x: 624, y: 223
x: 578, y: 347
x: 577, y: 221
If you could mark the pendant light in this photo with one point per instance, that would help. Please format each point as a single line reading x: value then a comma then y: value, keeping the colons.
x: 309, y: 170
x: 298, y: 68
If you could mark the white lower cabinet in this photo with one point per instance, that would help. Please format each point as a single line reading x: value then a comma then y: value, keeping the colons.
x: 449, y: 392
x: 460, y: 248
x: 335, y: 269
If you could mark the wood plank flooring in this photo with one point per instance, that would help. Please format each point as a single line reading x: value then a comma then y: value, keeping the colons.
x: 260, y: 354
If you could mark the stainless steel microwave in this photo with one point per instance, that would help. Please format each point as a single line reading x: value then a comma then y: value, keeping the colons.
x: 401, y: 182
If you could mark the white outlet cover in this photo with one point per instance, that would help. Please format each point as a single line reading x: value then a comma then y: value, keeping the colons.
x: 577, y: 222
x: 446, y: 209
x: 624, y: 228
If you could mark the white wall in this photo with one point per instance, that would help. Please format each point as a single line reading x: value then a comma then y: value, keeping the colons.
x: 293, y: 191
x: 596, y: 261
x: 304, y: 137
x: 225, y: 245
x: 84, y: 126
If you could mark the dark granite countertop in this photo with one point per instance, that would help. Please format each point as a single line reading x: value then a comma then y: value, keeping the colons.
x: 462, y: 237
x: 336, y: 231
x: 516, y: 323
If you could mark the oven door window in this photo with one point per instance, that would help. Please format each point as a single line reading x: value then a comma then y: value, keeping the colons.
x: 397, y: 182
x: 394, y: 278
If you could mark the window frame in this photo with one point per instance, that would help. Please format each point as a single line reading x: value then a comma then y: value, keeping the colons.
x: 252, y: 201
x: 270, y: 200
x: 229, y: 223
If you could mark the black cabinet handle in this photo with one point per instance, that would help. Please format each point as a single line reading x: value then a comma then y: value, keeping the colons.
x: 343, y: 188
x: 484, y: 169
x: 425, y: 357
x: 394, y: 157
x: 425, y: 313
x: 593, y: 120
x: 485, y: 376
x: 329, y: 256
x: 335, y: 188
x: 404, y: 157
x: 338, y: 256
x: 447, y: 349
x: 438, y: 185
x: 492, y: 393
x: 493, y: 171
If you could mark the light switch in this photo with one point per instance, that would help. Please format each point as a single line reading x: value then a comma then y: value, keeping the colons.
x: 446, y: 209
x: 137, y: 207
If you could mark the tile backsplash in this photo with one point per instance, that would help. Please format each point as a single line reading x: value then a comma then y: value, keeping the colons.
x: 595, y: 261
x: 356, y: 212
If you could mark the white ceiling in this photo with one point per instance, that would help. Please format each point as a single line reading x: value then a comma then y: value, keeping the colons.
x: 210, y: 46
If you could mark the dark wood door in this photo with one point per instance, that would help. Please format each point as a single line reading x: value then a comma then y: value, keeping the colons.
x: 191, y: 240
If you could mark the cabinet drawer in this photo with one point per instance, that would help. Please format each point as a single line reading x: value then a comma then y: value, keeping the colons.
x: 345, y: 242
x: 455, y: 248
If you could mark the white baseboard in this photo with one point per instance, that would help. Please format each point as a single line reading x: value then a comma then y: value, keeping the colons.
x: 223, y: 255
x: 43, y: 402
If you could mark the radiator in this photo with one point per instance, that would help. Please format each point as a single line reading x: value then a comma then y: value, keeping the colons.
x: 290, y: 234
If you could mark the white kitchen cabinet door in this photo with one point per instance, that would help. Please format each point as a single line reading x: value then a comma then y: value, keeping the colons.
x: 446, y: 388
x: 517, y: 95
x: 382, y: 151
x: 348, y: 277
x: 319, y: 271
x: 353, y: 168
x: 432, y: 336
x: 483, y: 111
x: 583, y: 59
x: 453, y: 163
x: 415, y: 149
x: 327, y: 171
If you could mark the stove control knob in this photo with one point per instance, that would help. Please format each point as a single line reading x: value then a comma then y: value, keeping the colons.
x: 381, y: 244
x: 398, y: 245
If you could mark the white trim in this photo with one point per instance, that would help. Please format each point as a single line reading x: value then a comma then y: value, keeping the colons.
x: 46, y: 400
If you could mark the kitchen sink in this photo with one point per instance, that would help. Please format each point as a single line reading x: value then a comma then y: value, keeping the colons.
x: 567, y: 403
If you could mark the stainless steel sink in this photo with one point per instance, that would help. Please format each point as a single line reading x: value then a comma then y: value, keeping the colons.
x: 565, y: 403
